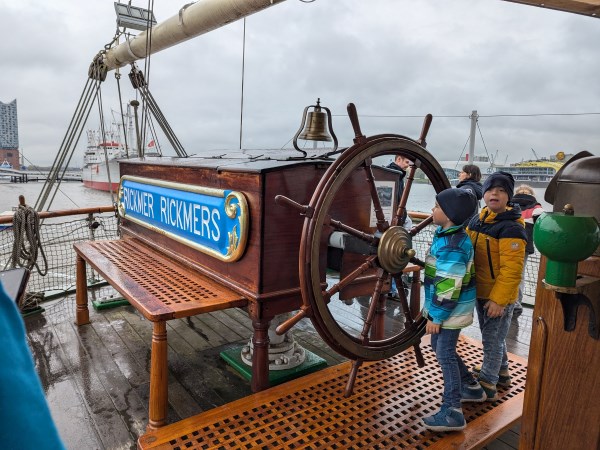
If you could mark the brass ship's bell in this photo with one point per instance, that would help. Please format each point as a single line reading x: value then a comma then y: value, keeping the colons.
x: 315, y: 126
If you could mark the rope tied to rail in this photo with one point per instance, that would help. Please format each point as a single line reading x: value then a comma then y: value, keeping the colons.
x: 27, y: 242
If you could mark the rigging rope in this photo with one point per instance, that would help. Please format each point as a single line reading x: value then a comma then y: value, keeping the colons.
x: 154, y: 136
x: 149, y: 25
x: 482, y: 140
x: 461, y: 153
x: 75, y: 136
x: 242, y: 92
x: 139, y: 83
x: 104, y: 144
x: 118, y: 78
x: 72, y: 135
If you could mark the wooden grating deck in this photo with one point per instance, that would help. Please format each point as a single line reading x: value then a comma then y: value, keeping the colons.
x: 390, y: 399
x: 96, y: 377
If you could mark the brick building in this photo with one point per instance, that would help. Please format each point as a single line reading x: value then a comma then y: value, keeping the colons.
x: 9, y: 133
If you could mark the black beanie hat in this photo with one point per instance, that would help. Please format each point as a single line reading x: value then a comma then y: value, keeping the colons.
x: 458, y: 204
x: 500, y: 179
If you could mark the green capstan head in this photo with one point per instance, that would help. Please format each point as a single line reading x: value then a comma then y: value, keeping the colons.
x: 565, y: 239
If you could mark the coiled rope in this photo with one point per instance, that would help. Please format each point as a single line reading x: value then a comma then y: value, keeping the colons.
x: 27, y: 242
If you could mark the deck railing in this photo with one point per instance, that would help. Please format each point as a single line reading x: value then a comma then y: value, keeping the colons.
x: 423, y: 240
x: 59, y: 230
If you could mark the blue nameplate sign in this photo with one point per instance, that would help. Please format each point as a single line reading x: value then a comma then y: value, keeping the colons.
x: 213, y: 221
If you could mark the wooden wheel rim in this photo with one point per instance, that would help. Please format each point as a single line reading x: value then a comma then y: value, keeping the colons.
x: 352, y: 158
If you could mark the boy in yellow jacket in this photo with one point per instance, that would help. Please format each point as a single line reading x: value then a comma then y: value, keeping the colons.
x: 499, y: 239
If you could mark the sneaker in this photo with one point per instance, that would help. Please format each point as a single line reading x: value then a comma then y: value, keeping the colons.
x: 504, y: 379
x: 490, y: 391
x: 446, y: 419
x: 472, y: 393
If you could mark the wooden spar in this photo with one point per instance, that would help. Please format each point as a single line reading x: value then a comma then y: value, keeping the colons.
x: 192, y: 20
x: 198, y: 18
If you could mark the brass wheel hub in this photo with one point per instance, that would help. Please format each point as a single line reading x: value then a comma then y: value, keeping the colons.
x: 395, y: 249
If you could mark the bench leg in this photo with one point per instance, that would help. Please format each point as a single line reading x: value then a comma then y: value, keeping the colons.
x: 159, y: 377
x: 260, y: 356
x: 82, y: 315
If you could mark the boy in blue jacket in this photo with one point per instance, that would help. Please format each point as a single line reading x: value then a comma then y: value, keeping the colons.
x: 449, y: 302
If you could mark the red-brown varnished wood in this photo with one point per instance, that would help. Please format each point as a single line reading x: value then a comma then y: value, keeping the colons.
x: 159, y: 377
x: 260, y: 357
x: 378, y: 327
x: 390, y: 399
x: 160, y: 288
x: 268, y: 270
x: 82, y: 314
x: 269, y: 266
x: 484, y: 429
x: 562, y: 406
x: 415, y: 289
x: 282, y: 226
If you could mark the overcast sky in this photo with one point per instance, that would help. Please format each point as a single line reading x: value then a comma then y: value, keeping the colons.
x: 389, y: 57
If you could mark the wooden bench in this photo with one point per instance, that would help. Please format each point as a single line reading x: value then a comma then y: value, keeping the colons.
x: 390, y: 399
x: 161, y: 289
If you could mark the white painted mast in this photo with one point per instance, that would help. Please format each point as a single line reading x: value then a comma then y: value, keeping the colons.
x: 474, y: 116
x: 192, y: 20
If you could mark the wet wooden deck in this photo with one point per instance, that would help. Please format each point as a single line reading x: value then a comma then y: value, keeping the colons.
x: 96, y: 377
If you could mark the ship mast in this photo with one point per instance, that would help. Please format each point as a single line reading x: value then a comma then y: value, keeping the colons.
x: 474, y: 116
x: 192, y: 20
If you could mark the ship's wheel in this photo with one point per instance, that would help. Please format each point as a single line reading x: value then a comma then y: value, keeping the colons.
x: 385, y: 251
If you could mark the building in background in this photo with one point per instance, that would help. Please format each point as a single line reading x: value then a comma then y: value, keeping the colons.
x: 9, y: 134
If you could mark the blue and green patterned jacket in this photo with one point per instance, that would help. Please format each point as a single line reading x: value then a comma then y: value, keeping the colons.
x: 450, y: 279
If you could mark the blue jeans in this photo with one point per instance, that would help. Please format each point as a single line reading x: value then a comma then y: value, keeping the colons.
x: 493, y: 337
x: 453, y: 368
x: 393, y: 288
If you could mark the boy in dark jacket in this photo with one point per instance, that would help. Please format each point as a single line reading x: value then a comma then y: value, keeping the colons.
x: 470, y: 180
x: 498, y: 236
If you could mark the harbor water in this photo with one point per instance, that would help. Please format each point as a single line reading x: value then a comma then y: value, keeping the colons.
x: 76, y: 195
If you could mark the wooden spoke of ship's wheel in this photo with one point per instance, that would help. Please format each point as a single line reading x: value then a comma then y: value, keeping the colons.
x: 382, y: 224
x: 337, y: 287
x: 375, y: 301
x: 393, y: 245
x: 367, y: 237
x: 401, y: 211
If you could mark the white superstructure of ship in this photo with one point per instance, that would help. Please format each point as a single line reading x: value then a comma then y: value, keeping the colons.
x: 100, y: 161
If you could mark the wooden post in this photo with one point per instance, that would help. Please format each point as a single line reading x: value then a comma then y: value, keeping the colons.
x: 260, y: 357
x: 81, y: 298
x: 561, y: 408
x: 159, y: 377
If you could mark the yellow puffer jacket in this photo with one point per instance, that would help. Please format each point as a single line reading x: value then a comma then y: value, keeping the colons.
x: 499, y: 241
